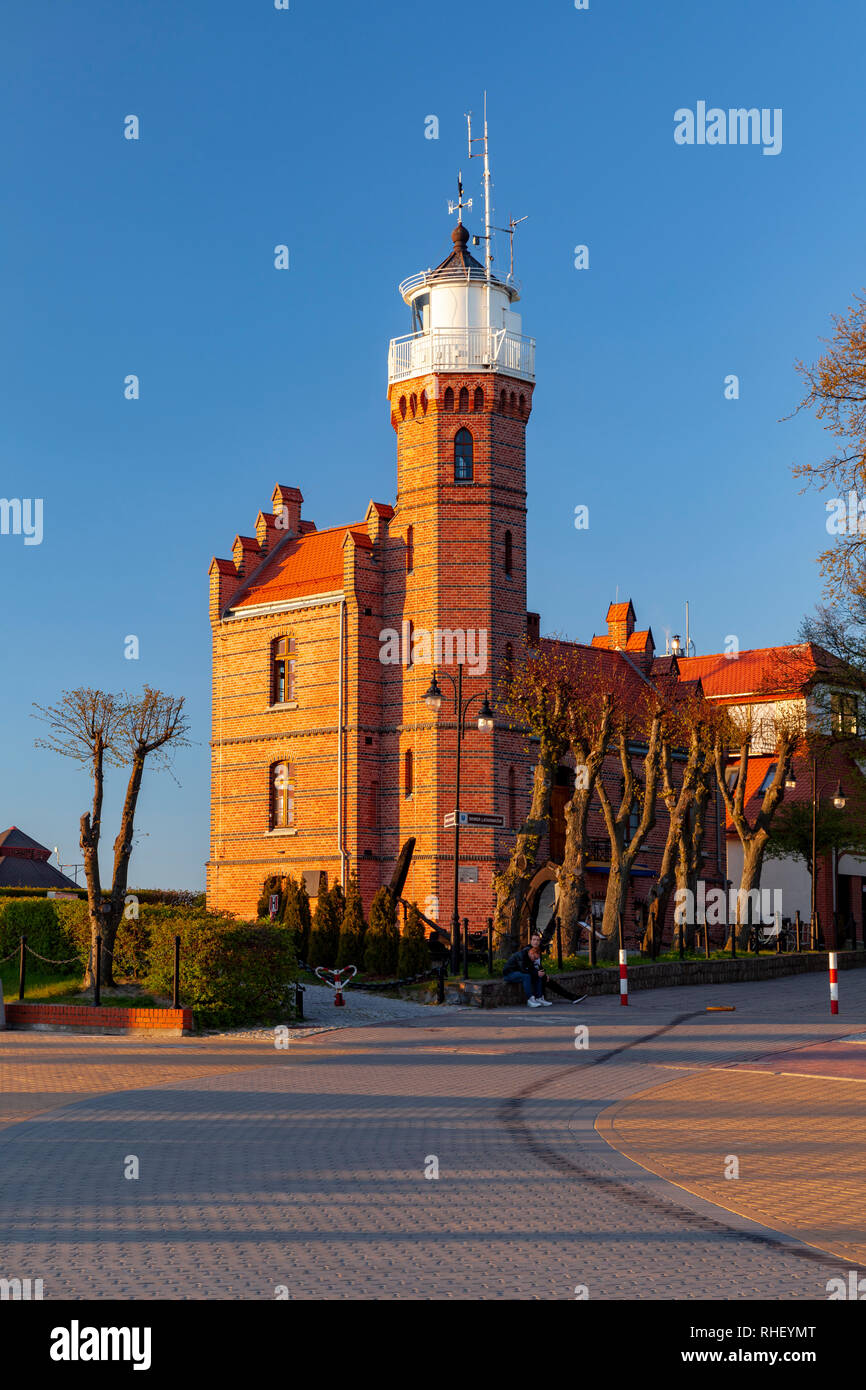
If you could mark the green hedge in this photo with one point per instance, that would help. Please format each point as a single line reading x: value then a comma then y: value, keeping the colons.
x: 230, y: 973
x: 47, y: 930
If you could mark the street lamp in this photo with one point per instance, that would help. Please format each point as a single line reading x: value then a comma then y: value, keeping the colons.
x: 839, y: 797
x: 433, y: 698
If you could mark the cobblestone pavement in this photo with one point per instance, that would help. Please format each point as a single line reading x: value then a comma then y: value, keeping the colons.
x: 306, y: 1167
x: 321, y: 1013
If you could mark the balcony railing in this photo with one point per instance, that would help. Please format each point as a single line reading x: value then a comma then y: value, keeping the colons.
x: 462, y: 350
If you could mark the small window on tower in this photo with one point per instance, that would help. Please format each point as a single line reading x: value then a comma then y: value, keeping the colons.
x: 507, y: 559
x: 403, y: 407
x: 408, y: 773
x: 282, y: 670
x: 513, y: 401
x: 523, y: 405
x: 478, y: 403
x: 449, y: 401
x: 413, y: 405
x: 464, y: 400
x: 410, y: 549
x: 424, y: 402
x: 464, y: 459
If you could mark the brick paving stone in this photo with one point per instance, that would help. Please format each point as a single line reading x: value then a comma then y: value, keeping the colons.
x: 306, y: 1167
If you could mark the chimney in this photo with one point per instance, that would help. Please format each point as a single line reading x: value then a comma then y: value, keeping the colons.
x: 286, y: 503
x: 620, y: 624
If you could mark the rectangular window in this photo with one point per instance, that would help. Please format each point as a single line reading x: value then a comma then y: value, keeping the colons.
x: 282, y: 796
x: 283, y: 677
x: 843, y: 713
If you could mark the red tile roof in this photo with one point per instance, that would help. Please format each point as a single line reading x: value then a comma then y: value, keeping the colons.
x: 303, y: 565
x: 764, y: 671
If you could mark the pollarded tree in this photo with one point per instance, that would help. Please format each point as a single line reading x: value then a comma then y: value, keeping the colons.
x: 101, y: 729
x: 382, y: 942
x: 639, y: 728
x: 414, y: 957
x: 352, y: 930
x: 782, y: 731
x: 534, y: 696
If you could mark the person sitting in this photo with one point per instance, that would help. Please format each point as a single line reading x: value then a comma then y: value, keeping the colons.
x: 524, y: 967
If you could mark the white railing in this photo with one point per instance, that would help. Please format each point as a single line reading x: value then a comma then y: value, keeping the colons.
x: 461, y: 350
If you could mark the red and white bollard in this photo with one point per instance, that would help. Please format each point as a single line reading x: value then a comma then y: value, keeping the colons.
x: 623, y: 978
x: 834, y: 984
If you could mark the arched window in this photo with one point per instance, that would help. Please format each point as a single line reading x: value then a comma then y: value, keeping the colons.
x: 413, y: 405
x: 423, y: 402
x: 463, y: 457
x: 410, y: 549
x: 523, y: 405
x: 513, y: 401
x: 464, y: 400
x: 478, y: 402
x: 282, y: 796
x: 282, y: 670
x: 507, y: 558
x: 503, y: 401
x: 403, y: 407
x: 408, y: 772
x: 512, y: 798
x: 449, y: 400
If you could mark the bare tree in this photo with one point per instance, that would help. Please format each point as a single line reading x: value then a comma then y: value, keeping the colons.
x: 741, y: 733
x: 534, y: 696
x: 644, y: 722
x: 101, y: 729
x: 836, y: 393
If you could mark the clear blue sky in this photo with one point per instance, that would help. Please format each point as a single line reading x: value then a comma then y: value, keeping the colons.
x: 306, y: 127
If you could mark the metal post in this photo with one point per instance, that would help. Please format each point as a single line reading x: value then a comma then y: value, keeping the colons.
x: 175, y: 1000
x: 22, y: 967
x: 558, y: 944
x: 591, y: 939
x: 299, y: 999
x: 97, y: 979
x: 797, y: 929
x: 490, y: 945
x: 778, y: 925
x: 455, y: 917
x: 440, y: 984
x: 734, y: 928
x: 466, y: 948
x: 706, y: 941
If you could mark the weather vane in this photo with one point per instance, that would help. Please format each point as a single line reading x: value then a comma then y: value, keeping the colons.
x: 460, y: 204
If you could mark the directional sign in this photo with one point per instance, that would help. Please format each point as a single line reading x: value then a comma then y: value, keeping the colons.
x: 451, y: 819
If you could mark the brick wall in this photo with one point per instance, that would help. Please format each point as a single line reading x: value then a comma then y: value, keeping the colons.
x: 88, y: 1017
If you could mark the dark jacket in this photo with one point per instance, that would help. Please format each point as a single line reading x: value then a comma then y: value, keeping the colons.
x: 520, y: 961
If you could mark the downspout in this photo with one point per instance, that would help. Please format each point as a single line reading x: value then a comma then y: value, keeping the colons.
x: 340, y: 716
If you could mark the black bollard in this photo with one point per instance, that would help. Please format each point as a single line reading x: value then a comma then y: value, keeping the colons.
x: 440, y: 984
x: 797, y: 930
x: 591, y: 941
x: 466, y: 948
x: 22, y: 967
x: 97, y: 980
x: 490, y: 945
x: 175, y: 998
x: 299, y: 999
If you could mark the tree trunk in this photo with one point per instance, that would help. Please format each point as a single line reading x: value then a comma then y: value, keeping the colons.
x: 614, y: 905
x: 511, y: 885
x: 753, y: 860
x: 573, y: 896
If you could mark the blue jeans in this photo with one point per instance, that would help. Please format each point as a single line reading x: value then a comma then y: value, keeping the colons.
x: 531, y: 984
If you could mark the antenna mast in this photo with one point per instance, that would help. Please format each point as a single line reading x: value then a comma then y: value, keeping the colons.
x: 485, y: 153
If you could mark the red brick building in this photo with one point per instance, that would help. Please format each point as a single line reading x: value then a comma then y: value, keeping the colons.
x: 326, y: 757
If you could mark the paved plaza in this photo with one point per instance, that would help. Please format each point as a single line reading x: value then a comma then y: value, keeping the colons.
x: 562, y: 1171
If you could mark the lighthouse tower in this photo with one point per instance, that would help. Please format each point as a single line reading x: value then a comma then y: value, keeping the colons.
x: 460, y: 390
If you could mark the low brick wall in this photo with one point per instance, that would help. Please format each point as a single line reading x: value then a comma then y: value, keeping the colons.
x: 491, y: 994
x: 86, y: 1018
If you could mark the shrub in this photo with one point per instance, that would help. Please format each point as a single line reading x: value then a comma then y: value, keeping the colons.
x: 353, y: 929
x: 414, y: 956
x: 48, y: 934
x: 230, y: 973
x: 382, y: 942
x: 325, y: 935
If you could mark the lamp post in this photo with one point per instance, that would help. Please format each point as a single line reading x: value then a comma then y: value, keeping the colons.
x: 433, y: 700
